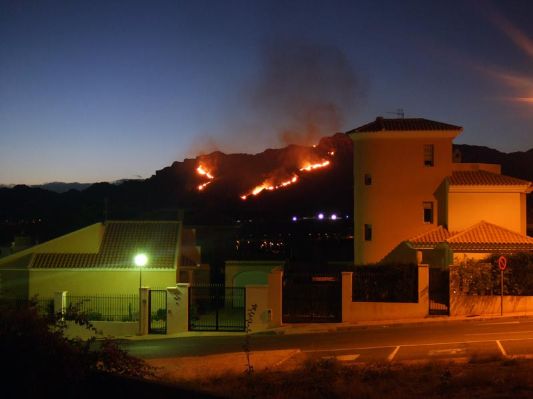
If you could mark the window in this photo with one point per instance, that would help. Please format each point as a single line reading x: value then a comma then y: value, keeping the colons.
x: 428, y: 212
x: 429, y: 155
x: 368, y: 179
x: 368, y: 232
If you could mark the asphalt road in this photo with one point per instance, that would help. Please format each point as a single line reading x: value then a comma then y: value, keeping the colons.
x: 508, y: 337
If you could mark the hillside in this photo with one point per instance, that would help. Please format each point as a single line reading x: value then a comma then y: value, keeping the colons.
x: 294, y: 180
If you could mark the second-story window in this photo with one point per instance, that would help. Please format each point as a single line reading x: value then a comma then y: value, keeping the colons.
x: 429, y: 155
x: 428, y: 212
x: 368, y: 232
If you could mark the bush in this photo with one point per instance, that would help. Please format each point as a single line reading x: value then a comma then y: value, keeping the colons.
x: 37, y: 352
x: 482, y: 277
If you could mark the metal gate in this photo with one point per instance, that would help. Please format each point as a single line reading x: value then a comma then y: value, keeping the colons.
x: 439, y: 291
x: 312, y: 298
x: 217, y: 308
x: 157, y: 314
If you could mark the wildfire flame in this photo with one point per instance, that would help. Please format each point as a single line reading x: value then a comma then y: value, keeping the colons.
x: 203, y: 171
x: 309, y: 167
x: 267, y: 184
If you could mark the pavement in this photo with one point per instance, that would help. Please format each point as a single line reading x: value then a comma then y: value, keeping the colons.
x: 460, y: 339
x: 314, y: 328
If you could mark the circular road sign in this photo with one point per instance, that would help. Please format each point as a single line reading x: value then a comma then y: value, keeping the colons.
x: 502, y: 262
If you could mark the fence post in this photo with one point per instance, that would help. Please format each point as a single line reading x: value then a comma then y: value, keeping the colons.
x: 346, y: 295
x: 143, y: 310
x: 275, y: 297
x: 178, y: 308
x: 60, y: 303
x: 423, y: 286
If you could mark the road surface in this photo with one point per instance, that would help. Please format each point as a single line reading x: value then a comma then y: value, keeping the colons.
x: 507, y: 337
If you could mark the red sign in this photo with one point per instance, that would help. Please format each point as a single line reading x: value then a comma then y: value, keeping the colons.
x: 502, y: 263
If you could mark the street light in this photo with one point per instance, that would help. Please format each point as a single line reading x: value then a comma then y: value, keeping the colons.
x: 140, y: 261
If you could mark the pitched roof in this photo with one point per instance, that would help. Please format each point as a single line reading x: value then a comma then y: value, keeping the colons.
x: 481, y: 237
x: 120, y: 242
x: 403, y: 124
x: 484, y: 178
x: 431, y: 238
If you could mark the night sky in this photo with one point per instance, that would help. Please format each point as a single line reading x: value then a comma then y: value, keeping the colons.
x: 103, y: 90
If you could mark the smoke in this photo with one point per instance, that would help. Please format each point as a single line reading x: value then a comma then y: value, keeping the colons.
x: 301, y: 92
x: 304, y: 91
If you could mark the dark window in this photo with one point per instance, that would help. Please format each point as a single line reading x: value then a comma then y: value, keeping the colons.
x: 368, y: 232
x: 368, y: 179
x: 429, y: 155
x: 428, y: 212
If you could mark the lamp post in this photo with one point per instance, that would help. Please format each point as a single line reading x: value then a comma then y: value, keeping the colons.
x: 140, y: 261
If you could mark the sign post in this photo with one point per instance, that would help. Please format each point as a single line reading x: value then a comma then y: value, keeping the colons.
x: 502, y: 264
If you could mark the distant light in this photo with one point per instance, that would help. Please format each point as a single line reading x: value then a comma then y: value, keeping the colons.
x: 320, y: 216
x: 294, y: 219
x: 140, y: 260
x: 334, y: 217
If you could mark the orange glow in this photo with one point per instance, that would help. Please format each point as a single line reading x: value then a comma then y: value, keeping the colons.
x: 203, y: 171
x: 309, y: 167
x: 266, y: 185
x: 202, y: 186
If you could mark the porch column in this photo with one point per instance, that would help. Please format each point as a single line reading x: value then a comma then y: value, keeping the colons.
x: 60, y: 303
x: 275, y: 297
x: 178, y: 308
x: 346, y: 295
x: 143, y: 311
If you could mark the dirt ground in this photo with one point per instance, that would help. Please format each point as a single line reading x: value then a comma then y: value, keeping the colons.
x: 277, y: 375
x: 213, y: 366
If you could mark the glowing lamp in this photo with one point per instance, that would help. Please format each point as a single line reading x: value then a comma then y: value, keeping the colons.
x: 320, y: 216
x: 334, y: 217
x: 140, y: 260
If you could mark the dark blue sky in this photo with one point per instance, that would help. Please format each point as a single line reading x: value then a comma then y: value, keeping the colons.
x: 103, y: 90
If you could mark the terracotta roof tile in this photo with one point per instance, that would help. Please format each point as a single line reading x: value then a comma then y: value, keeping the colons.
x: 484, y: 178
x: 121, y: 241
x: 482, y: 237
x: 431, y: 238
x: 403, y: 124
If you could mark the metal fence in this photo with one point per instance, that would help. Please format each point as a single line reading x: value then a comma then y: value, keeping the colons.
x: 385, y: 283
x: 217, y: 308
x: 117, y: 307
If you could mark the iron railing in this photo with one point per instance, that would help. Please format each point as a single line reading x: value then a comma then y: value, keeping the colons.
x: 215, y: 307
x: 118, y: 307
x: 385, y: 283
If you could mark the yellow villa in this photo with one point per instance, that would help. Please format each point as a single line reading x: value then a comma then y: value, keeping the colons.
x: 415, y: 201
x: 99, y: 259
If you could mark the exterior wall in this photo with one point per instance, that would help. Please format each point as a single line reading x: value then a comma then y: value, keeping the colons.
x: 258, y: 295
x: 375, y: 311
x: 505, y: 209
x: 106, y: 328
x: 178, y: 308
x: 45, y: 282
x: 463, y: 305
x: 242, y: 273
x: 393, y: 204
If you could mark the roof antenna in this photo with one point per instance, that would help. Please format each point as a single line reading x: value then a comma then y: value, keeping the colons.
x: 399, y: 113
